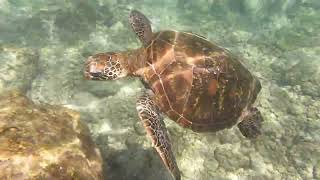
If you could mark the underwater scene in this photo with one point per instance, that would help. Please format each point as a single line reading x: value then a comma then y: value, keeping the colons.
x: 160, y: 90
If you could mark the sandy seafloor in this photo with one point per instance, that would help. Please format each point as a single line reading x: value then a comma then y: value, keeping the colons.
x: 279, y: 41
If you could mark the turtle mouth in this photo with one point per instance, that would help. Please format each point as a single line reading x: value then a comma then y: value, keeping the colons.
x: 93, y: 76
x: 91, y: 70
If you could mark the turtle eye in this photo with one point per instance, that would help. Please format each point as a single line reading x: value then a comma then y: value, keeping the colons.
x: 112, y: 68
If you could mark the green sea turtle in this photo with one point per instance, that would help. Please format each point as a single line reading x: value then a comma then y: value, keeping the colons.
x: 196, y: 83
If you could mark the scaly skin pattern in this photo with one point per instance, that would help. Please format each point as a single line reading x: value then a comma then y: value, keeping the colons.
x: 199, y: 85
x: 156, y: 130
x: 196, y: 83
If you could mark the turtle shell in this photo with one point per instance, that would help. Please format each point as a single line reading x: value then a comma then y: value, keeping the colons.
x: 196, y: 83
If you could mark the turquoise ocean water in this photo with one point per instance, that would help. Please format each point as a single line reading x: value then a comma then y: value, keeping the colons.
x: 277, y: 40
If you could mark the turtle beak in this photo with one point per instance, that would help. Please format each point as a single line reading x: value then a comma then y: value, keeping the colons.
x: 91, y: 70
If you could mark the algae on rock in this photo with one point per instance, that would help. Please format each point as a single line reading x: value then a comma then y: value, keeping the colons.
x: 44, y: 142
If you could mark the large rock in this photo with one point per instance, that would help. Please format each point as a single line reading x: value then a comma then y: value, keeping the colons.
x: 44, y: 142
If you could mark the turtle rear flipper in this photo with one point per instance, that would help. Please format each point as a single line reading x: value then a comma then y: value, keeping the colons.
x: 250, y: 126
x: 141, y: 26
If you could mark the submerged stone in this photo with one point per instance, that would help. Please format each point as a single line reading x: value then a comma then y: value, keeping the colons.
x: 44, y: 142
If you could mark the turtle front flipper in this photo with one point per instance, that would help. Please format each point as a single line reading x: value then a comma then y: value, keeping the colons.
x: 156, y: 129
x: 250, y: 126
x: 141, y: 26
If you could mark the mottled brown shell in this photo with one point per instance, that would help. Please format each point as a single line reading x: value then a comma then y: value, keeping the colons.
x: 199, y: 85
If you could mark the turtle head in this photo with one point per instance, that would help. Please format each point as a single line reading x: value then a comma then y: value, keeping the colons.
x: 105, y: 66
